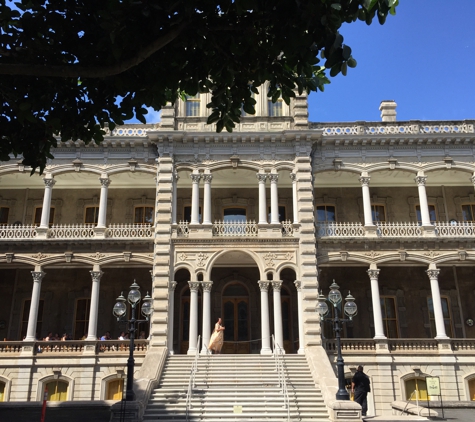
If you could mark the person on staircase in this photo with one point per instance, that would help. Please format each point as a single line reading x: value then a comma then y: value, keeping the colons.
x: 217, y: 338
x: 360, y: 386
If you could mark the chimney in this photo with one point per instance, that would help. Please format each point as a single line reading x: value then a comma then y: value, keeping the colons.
x: 388, y: 110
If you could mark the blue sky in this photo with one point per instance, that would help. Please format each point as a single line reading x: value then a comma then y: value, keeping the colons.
x: 423, y: 58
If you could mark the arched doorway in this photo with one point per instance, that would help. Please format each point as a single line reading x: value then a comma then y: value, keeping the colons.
x: 236, y: 318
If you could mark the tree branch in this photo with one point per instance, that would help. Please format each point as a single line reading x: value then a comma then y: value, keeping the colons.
x: 77, y: 71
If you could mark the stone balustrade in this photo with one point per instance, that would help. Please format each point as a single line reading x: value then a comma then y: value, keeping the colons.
x: 406, y: 346
x: 71, y: 347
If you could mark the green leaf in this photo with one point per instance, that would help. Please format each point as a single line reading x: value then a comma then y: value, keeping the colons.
x: 336, y: 6
x: 344, y: 69
x: 351, y: 62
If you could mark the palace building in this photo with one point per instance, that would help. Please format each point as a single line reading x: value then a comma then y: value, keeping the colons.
x: 248, y: 226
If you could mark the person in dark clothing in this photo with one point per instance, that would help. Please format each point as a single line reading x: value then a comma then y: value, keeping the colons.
x: 360, y: 387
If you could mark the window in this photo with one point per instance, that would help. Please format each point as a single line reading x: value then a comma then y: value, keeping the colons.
x: 143, y: 215
x: 187, y: 214
x: 90, y: 216
x: 2, y: 391
x: 234, y: 214
x: 282, y: 214
x: 81, y: 320
x: 4, y: 215
x: 388, y: 310
x: 378, y: 212
x: 446, y: 313
x: 468, y: 212
x: 37, y: 218
x: 115, y: 389
x: 416, y: 388
x: 471, y: 389
x: 192, y: 105
x: 57, y: 390
x: 275, y: 109
x: 326, y: 213
x: 432, y: 213
x: 26, y: 314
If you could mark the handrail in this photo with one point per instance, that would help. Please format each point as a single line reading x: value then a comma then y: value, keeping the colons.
x: 191, y: 382
x: 279, y: 367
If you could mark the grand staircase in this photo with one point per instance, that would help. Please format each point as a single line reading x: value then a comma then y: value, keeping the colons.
x: 236, y: 388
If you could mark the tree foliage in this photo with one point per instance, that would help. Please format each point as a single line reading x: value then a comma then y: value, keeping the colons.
x: 68, y: 68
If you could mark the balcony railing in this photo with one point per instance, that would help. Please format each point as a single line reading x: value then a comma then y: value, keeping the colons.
x: 72, y: 347
x: 395, y: 229
x: 77, y: 232
x: 400, y: 345
x: 236, y: 229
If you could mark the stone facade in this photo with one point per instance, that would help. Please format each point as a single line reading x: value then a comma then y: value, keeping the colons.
x: 226, y: 225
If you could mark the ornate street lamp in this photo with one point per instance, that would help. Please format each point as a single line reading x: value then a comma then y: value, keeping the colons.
x: 120, y: 311
x: 350, y: 310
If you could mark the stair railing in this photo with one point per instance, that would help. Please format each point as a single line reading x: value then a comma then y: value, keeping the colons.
x: 278, y: 353
x: 191, y: 382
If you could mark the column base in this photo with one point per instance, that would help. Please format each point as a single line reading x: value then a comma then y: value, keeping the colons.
x: 266, y: 351
x: 205, y: 352
x: 371, y: 231
x: 42, y: 232
x: 428, y: 230
x: 191, y: 351
x: 100, y: 232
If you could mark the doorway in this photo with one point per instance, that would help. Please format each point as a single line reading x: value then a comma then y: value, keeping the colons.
x: 235, y: 306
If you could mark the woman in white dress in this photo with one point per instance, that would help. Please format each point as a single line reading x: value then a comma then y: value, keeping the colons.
x: 217, y: 338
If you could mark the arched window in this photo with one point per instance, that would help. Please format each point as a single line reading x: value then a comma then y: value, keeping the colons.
x: 471, y: 389
x: 57, y: 390
x: 416, y: 388
x: 115, y: 389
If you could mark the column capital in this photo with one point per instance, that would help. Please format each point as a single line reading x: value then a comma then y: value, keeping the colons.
x: 175, y: 175
x: 420, y: 180
x: 293, y: 177
x: 373, y: 273
x: 171, y: 285
x: 195, y: 177
x: 49, y: 182
x: 96, y: 275
x: 262, y: 177
x: 472, y: 179
x: 38, y: 275
x: 298, y: 285
x: 364, y: 180
x: 207, y: 177
x: 276, y: 285
x: 194, y: 285
x: 207, y: 285
x: 263, y: 285
x: 273, y: 177
x: 105, y: 181
x: 433, y: 273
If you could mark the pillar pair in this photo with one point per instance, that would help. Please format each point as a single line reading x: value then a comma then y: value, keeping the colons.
x: 433, y: 274
x: 38, y: 276
x: 274, y: 197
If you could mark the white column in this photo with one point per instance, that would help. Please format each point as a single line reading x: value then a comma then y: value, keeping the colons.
x: 193, y: 337
x: 421, y: 187
x: 195, y: 198
x: 207, y: 177
x: 101, y: 219
x: 298, y: 285
x: 295, y: 210
x: 206, y: 315
x: 368, y: 215
x: 278, y: 331
x: 262, y: 198
x: 274, y: 199
x: 34, y: 304
x: 96, y: 275
x: 174, y: 196
x: 373, y: 273
x: 45, y: 211
x: 171, y: 310
x: 472, y: 179
x: 433, y: 274
x: 265, y: 329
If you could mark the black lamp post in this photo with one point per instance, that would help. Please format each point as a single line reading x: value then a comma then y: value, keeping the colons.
x: 350, y: 309
x: 120, y: 311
